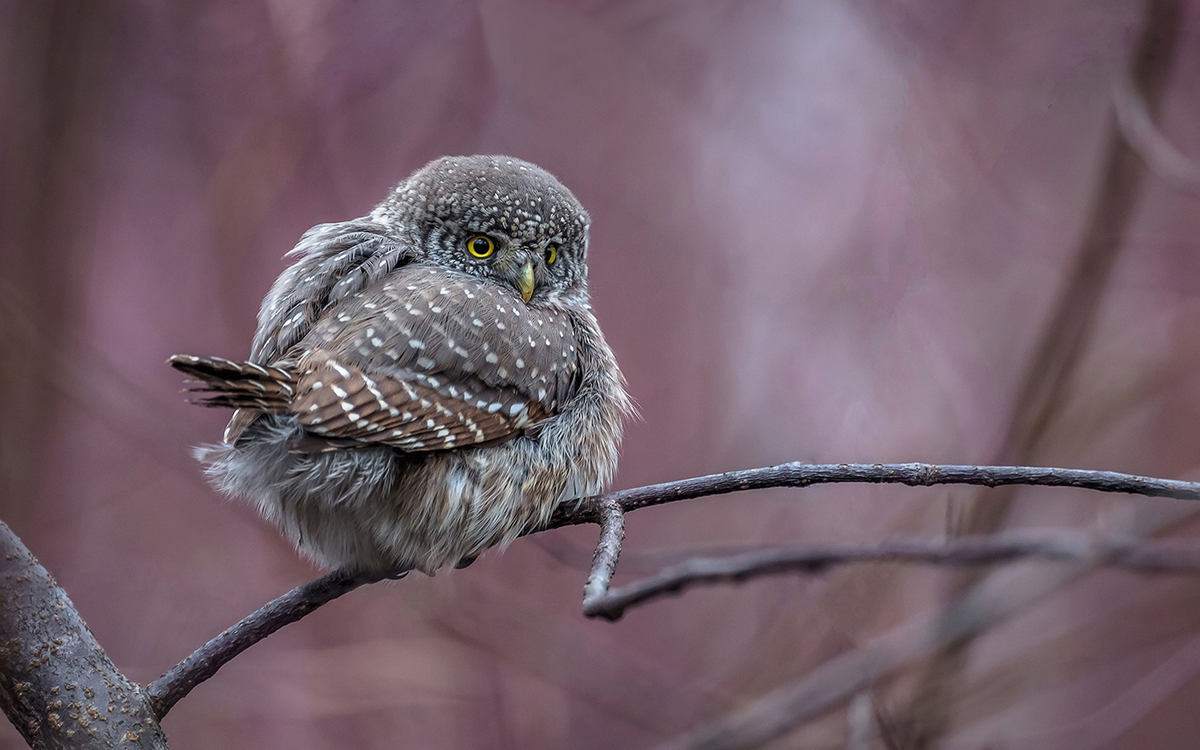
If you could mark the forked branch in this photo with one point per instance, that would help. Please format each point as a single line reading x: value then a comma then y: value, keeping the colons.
x: 608, y: 511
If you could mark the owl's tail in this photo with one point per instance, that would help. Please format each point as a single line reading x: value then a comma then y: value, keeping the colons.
x: 237, y: 385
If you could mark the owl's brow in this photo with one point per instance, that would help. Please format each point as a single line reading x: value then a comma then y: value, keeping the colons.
x: 497, y: 225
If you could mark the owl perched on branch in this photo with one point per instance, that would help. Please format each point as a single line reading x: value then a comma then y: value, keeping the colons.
x: 426, y: 381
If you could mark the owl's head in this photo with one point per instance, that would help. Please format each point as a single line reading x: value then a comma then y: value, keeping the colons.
x: 497, y: 218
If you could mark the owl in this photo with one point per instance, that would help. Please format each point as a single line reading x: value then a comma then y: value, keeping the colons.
x: 427, y: 381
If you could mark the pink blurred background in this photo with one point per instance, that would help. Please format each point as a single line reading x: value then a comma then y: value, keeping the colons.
x: 826, y: 231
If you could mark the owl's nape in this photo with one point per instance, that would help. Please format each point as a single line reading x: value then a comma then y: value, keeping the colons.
x: 427, y: 381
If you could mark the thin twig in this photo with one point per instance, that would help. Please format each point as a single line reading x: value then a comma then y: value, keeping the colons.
x: 604, y: 562
x: 1048, y: 544
x: 204, y: 662
x: 799, y: 474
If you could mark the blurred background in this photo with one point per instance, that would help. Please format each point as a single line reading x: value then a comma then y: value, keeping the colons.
x: 827, y: 230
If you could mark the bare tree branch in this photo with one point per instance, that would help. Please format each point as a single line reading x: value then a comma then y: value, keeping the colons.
x: 1048, y: 544
x: 57, y: 686
x: 607, y: 511
x: 204, y: 662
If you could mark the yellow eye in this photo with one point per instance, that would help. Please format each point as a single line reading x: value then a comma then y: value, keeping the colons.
x: 551, y: 253
x: 481, y: 246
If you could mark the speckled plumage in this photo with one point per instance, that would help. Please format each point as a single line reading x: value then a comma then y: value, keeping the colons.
x: 407, y: 404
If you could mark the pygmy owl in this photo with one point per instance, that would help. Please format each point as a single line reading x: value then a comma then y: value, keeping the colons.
x: 426, y: 381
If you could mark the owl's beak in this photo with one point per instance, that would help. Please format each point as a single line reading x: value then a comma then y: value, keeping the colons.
x: 525, y: 280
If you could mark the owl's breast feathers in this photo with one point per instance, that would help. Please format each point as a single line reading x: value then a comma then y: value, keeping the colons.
x: 423, y: 359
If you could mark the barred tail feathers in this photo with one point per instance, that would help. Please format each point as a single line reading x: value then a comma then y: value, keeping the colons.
x: 236, y: 385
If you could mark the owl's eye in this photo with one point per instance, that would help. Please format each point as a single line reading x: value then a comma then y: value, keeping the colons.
x: 481, y: 246
x: 551, y: 253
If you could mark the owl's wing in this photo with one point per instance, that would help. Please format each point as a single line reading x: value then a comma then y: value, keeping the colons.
x: 334, y: 262
x: 433, y: 359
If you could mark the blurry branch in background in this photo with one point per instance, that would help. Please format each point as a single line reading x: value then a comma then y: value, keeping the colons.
x: 1050, y: 369
x: 52, y: 117
x: 1103, y: 726
x: 1161, y: 157
x: 988, y: 603
x: 860, y: 722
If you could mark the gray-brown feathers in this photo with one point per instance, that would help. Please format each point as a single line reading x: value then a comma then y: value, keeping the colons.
x: 237, y: 385
x: 410, y: 404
